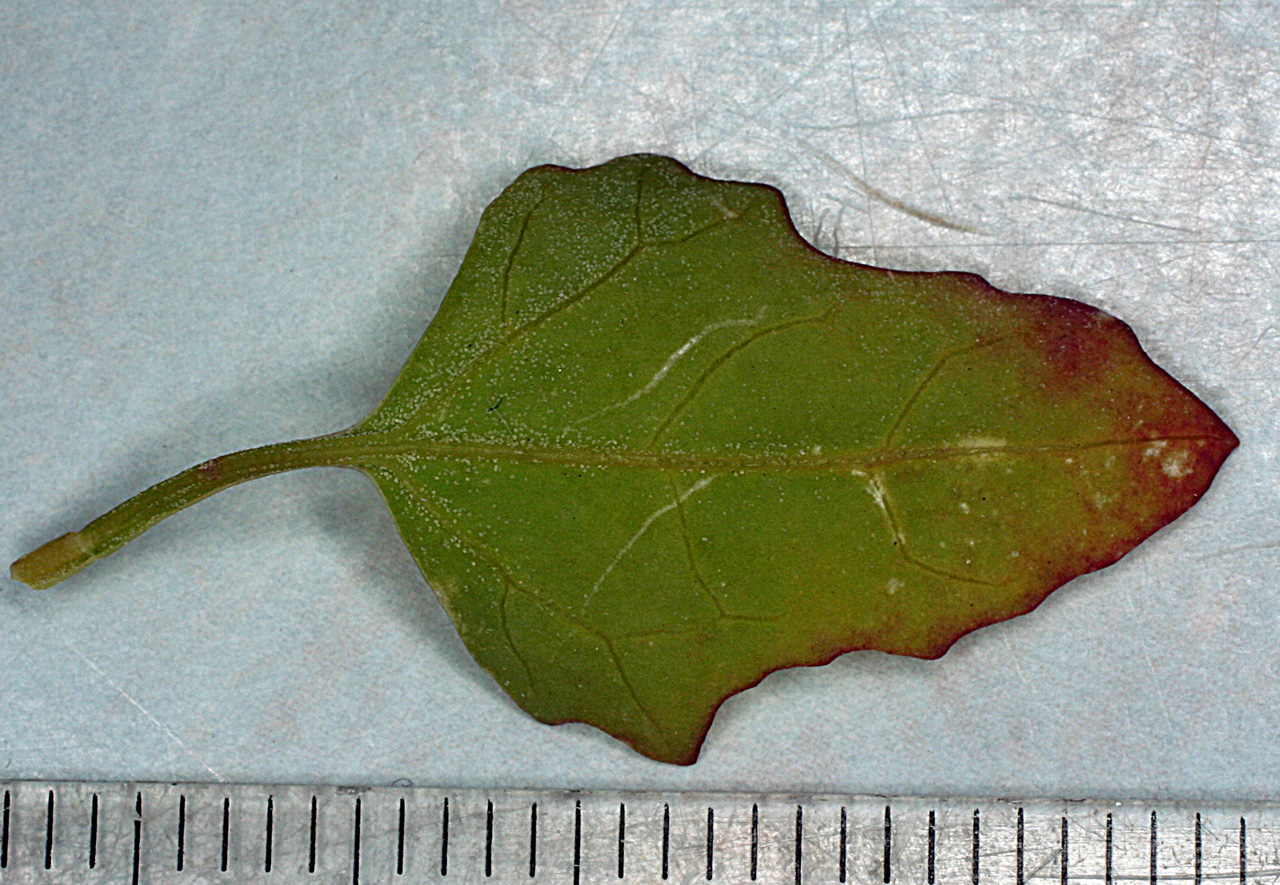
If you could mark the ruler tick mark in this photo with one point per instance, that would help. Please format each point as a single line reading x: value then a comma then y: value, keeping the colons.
x: 48, y: 834
x: 888, y: 843
x: 4, y: 834
x: 93, y: 835
x: 622, y: 838
x: 488, y: 840
x: 182, y: 830
x: 976, y: 850
x: 711, y: 841
x: 270, y: 834
x: 1152, y: 871
x: 929, y: 861
x: 1244, y: 870
x: 1110, y: 843
x: 137, y: 837
x: 533, y: 840
x: 844, y: 845
x: 226, y: 826
x: 799, y: 844
x: 400, y: 842
x: 444, y: 839
x: 1199, y: 852
x: 577, y: 840
x: 755, y: 838
x: 1063, y: 856
x: 666, y: 836
x: 1021, y: 849
x: 311, y: 856
x: 355, y: 846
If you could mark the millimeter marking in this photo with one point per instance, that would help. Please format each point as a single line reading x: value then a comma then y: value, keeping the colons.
x: 162, y: 833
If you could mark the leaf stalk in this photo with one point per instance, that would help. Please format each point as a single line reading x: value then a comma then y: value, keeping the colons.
x: 68, y: 554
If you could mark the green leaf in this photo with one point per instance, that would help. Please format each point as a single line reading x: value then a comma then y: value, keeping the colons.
x: 654, y: 447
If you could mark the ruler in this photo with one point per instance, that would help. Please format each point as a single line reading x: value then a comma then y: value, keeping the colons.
x: 83, y: 832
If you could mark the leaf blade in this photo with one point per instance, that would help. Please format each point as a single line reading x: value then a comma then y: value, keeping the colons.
x: 616, y: 447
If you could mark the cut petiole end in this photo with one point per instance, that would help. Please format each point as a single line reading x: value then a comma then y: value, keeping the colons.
x: 53, y: 562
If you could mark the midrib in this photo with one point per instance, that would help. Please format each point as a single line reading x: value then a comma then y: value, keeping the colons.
x: 368, y: 449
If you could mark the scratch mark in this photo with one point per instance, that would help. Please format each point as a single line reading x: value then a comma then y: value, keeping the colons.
x: 1252, y: 347
x: 899, y: 79
x: 1202, y: 169
x: 1017, y: 660
x: 858, y: 119
x: 883, y: 121
x: 511, y: 11
x: 1243, y: 548
x: 1140, y: 270
x: 1052, y: 858
x: 1136, y: 124
x: 1116, y: 215
x: 1144, y: 648
x: 752, y: 115
x: 644, y: 527
x: 608, y: 38
x: 141, y: 709
x: 1024, y: 243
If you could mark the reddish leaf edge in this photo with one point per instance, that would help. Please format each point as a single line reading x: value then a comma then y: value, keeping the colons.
x: 941, y: 647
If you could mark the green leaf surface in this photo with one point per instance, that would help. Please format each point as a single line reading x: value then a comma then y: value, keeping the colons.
x: 654, y: 447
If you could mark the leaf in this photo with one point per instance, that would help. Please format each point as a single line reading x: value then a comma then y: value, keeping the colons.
x: 654, y: 447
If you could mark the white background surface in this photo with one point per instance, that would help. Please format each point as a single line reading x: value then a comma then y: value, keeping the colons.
x: 225, y: 224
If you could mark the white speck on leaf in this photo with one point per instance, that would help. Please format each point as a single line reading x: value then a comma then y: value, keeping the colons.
x: 1175, y: 465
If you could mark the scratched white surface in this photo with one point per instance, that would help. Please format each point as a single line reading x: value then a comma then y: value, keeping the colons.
x: 227, y: 224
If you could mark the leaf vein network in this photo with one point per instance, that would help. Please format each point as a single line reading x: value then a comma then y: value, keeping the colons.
x: 511, y: 642
x: 696, y: 387
x: 879, y: 494
x: 722, y: 611
x: 644, y: 527
x: 491, y: 558
x: 511, y: 260
x: 444, y: 395
x: 933, y: 372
